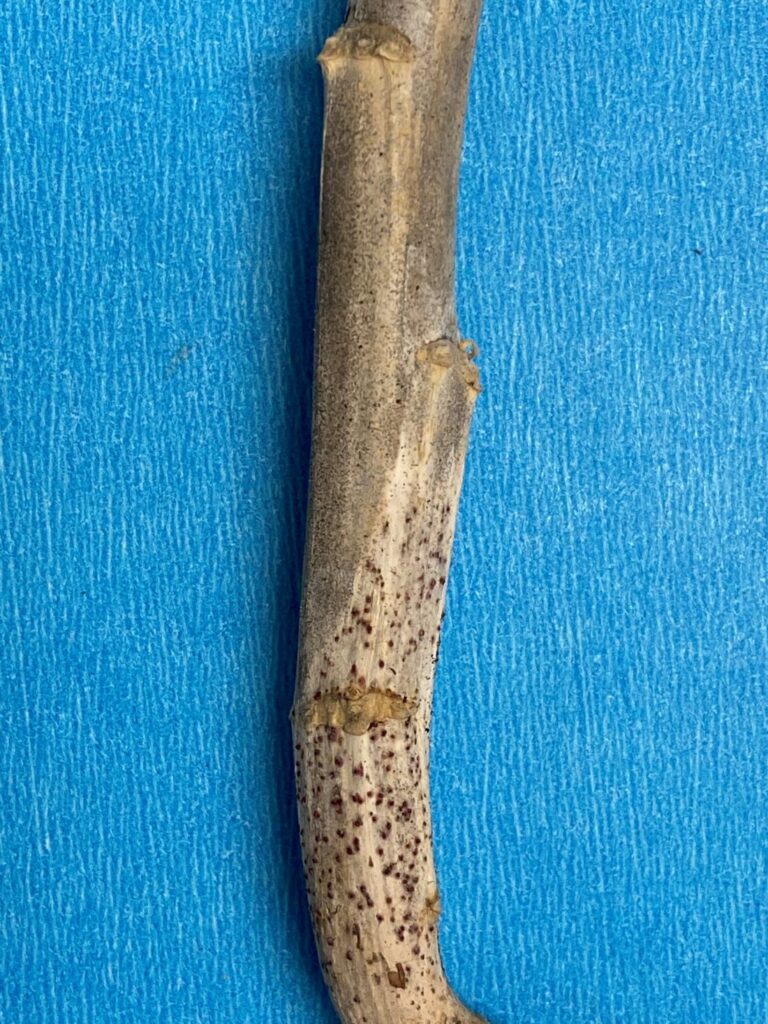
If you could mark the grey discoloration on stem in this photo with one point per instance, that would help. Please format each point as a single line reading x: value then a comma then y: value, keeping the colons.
x: 395, y: 386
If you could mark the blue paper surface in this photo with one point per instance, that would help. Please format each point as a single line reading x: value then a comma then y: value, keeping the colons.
x: 600, y: 766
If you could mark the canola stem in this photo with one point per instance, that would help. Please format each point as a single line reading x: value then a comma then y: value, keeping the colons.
x: 395, y: 386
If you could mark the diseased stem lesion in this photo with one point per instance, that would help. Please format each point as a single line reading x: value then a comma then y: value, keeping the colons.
x: 395, y: 386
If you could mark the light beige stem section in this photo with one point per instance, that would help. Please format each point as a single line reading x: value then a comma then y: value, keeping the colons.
x: 395, y: 386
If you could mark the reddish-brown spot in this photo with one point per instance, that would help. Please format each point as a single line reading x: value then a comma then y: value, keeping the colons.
x: 396, y: 978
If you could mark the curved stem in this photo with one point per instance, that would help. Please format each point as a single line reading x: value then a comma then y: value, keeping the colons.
x: 395, y: 386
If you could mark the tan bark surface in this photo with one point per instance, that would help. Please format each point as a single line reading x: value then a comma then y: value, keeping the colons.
x: 395, y: 386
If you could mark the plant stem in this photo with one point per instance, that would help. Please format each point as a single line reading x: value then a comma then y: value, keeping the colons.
x: 395, y: 387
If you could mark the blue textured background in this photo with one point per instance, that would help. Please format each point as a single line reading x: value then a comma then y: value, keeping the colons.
x: 601, y: 758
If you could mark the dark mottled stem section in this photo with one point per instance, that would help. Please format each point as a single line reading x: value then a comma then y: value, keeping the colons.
x: 395, y: 386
